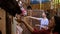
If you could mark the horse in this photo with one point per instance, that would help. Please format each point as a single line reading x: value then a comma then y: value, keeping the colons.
x: 54, y: 21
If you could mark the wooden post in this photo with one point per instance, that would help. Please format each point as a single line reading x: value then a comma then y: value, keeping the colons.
x: 3, y: 21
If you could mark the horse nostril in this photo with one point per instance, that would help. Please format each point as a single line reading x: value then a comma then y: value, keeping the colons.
x: 0, y: 18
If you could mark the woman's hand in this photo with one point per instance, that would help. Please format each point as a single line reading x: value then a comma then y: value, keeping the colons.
x: 45, y: 27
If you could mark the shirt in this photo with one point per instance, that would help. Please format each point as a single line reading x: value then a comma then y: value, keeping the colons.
x: 44, y: 22
x: 19, y: 30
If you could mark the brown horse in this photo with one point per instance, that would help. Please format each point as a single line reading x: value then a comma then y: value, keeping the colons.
x: 51, y: 19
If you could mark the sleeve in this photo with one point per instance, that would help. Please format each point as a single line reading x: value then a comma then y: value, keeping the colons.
x: 40, y: 19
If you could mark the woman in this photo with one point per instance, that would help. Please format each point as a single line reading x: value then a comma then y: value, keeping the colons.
x: 18, y: 27
x: 43, y: 21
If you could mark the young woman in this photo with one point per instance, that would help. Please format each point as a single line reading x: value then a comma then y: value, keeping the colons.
x: 18, y: 27
x: 44, y: 21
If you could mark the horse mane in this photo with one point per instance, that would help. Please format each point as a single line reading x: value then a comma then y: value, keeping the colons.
x: 10, y: 6
x: 57, y: 19
x: 57, y: 26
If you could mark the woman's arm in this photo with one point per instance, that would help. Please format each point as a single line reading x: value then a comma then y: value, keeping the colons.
x: 34, y: 17
x: 27, y: 25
